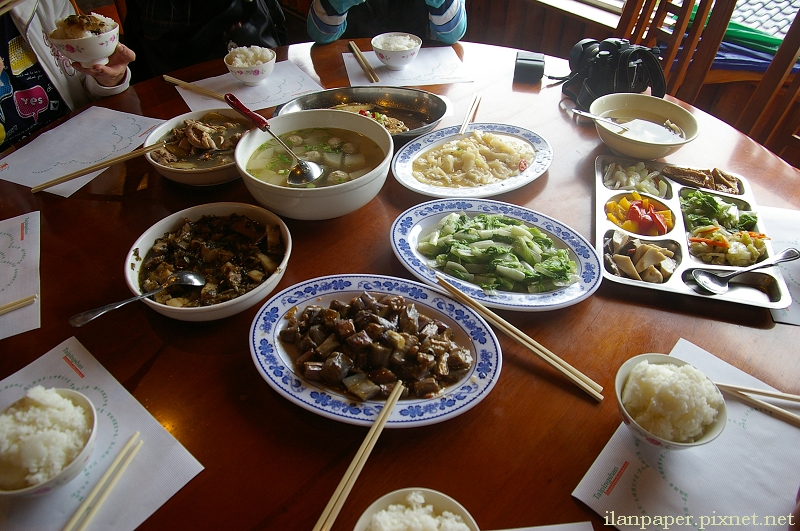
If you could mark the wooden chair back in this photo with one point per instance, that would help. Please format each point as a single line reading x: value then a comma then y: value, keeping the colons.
x: 770, y: 115
x: 667, y: 22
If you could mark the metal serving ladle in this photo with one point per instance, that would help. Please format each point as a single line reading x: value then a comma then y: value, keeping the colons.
x: 303, y: 172
x: 181, y: 278
x: 717, y: 283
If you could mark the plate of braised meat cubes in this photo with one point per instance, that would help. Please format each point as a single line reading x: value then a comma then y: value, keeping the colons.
x: 338, y: 345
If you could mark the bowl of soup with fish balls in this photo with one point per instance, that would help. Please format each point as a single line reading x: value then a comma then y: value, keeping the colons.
x: 354, y: 152
x: 198, y: 146
x: 649, y: 127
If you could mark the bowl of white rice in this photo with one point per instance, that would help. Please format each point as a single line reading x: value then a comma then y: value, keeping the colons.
x: 87, y: 39
x: 668, y: 403
x: 416, y: 508
x: 396, y: 49
x: 251, y: 65
x: 46, y: 439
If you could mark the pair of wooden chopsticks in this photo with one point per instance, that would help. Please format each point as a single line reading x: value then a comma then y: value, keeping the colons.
x: 15, y: 305
x: 99, y: 166
x: 104, y: 486
x: 581, y: 380
x: 331, y: 511
x: 743, y: 394
x: 191, y: 87
x: 470, y: 114
x: 365, y: 66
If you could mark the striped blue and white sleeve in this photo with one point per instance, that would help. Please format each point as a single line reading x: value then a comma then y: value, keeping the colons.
x: 448, y: 19
x: 327, y: 19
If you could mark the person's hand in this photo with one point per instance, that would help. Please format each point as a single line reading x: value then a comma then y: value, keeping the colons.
x: 112, y: 73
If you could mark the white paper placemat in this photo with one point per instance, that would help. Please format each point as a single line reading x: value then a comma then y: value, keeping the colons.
x: 748, y: 477
x: 286, y: 82
x: 433, y: 66
x: 19, y: 273
x: 93, y: 136
x: 160, y: 469
x: 782, y: 224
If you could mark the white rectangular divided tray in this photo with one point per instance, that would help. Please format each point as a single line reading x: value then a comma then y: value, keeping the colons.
x: 764, y: 287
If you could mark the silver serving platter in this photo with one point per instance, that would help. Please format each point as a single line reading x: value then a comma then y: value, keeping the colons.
x: 431, y: 107
x: 764, y: 288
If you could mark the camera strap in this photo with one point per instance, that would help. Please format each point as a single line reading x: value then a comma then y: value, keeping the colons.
x: 636, y: 57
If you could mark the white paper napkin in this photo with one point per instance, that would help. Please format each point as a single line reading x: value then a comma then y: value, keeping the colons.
x: 286, y: 82
x: 93, y: 136
x: 433, y: 66
x: 160, y: 469
x: 747, y: 477
x: 19, y: 273
x: 781, y: 226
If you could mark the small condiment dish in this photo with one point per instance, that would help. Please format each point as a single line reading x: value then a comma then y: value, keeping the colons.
x: 642, y: 107
x: 69, y: 472
x: 439, y: 501
x: 254, y: 74
x: 396, y: 49
x: 711, y: 432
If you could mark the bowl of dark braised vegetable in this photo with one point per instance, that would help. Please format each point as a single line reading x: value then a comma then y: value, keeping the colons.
x: 241, y: 250
x: 354, y: 152
x: 199, y: 146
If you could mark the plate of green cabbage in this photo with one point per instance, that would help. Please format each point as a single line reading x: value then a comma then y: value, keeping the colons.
x: 502, y: 255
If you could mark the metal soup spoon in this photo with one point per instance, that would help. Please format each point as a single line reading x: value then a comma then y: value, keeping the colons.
x: 303, y: 172
x: 181, y: 278
x: 717, y: 283
x: 597, y: 118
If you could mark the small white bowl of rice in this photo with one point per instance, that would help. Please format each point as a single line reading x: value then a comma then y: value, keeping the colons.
x: 668, y: 403
x: 46, y: 439
x: 87, y: 39
x: 416, y: 508
x: 396, y: 49
x: 251, y: 65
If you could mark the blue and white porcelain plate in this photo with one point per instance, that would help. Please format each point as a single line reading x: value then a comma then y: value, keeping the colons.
x: 275, y: 363
x: 420, y: 220
x: 404, y: 159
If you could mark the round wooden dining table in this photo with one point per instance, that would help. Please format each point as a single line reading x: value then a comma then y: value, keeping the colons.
x: 514, y: 459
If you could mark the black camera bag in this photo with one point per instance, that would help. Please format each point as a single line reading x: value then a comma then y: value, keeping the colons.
x: 611, y: 66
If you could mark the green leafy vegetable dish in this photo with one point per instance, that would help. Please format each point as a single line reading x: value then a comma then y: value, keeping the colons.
x: 497, y: 253
x: 719, y: 233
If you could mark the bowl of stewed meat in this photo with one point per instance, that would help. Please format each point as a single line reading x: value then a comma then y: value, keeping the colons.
x: 354, y: 152
x: 241, y: 251
x: 198, y: 146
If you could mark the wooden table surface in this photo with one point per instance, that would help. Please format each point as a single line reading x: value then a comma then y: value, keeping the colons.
x: 514, y: 459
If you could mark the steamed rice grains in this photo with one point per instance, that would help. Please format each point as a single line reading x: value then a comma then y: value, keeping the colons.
x: 415, y: 516
x: 40, y: 435
x: 675, y: 403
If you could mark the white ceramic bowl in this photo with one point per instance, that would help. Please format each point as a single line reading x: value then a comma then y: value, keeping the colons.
x: 711, y: 432
x: 251, y: 75
x: 395, y: 59
x: 439, y: 501
x: 325, y: 202
x: 200, y: 176
x: 639, y: 149
x: 69, y: 472
x: 89, y: 51
x: 142, y: 245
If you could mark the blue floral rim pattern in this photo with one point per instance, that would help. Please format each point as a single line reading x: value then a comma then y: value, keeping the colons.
x: 421, y: 219
x: 275, y: 365
x: 404, y: 158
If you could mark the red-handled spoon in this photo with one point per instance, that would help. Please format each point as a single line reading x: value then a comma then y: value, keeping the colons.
x: 303, y: 172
